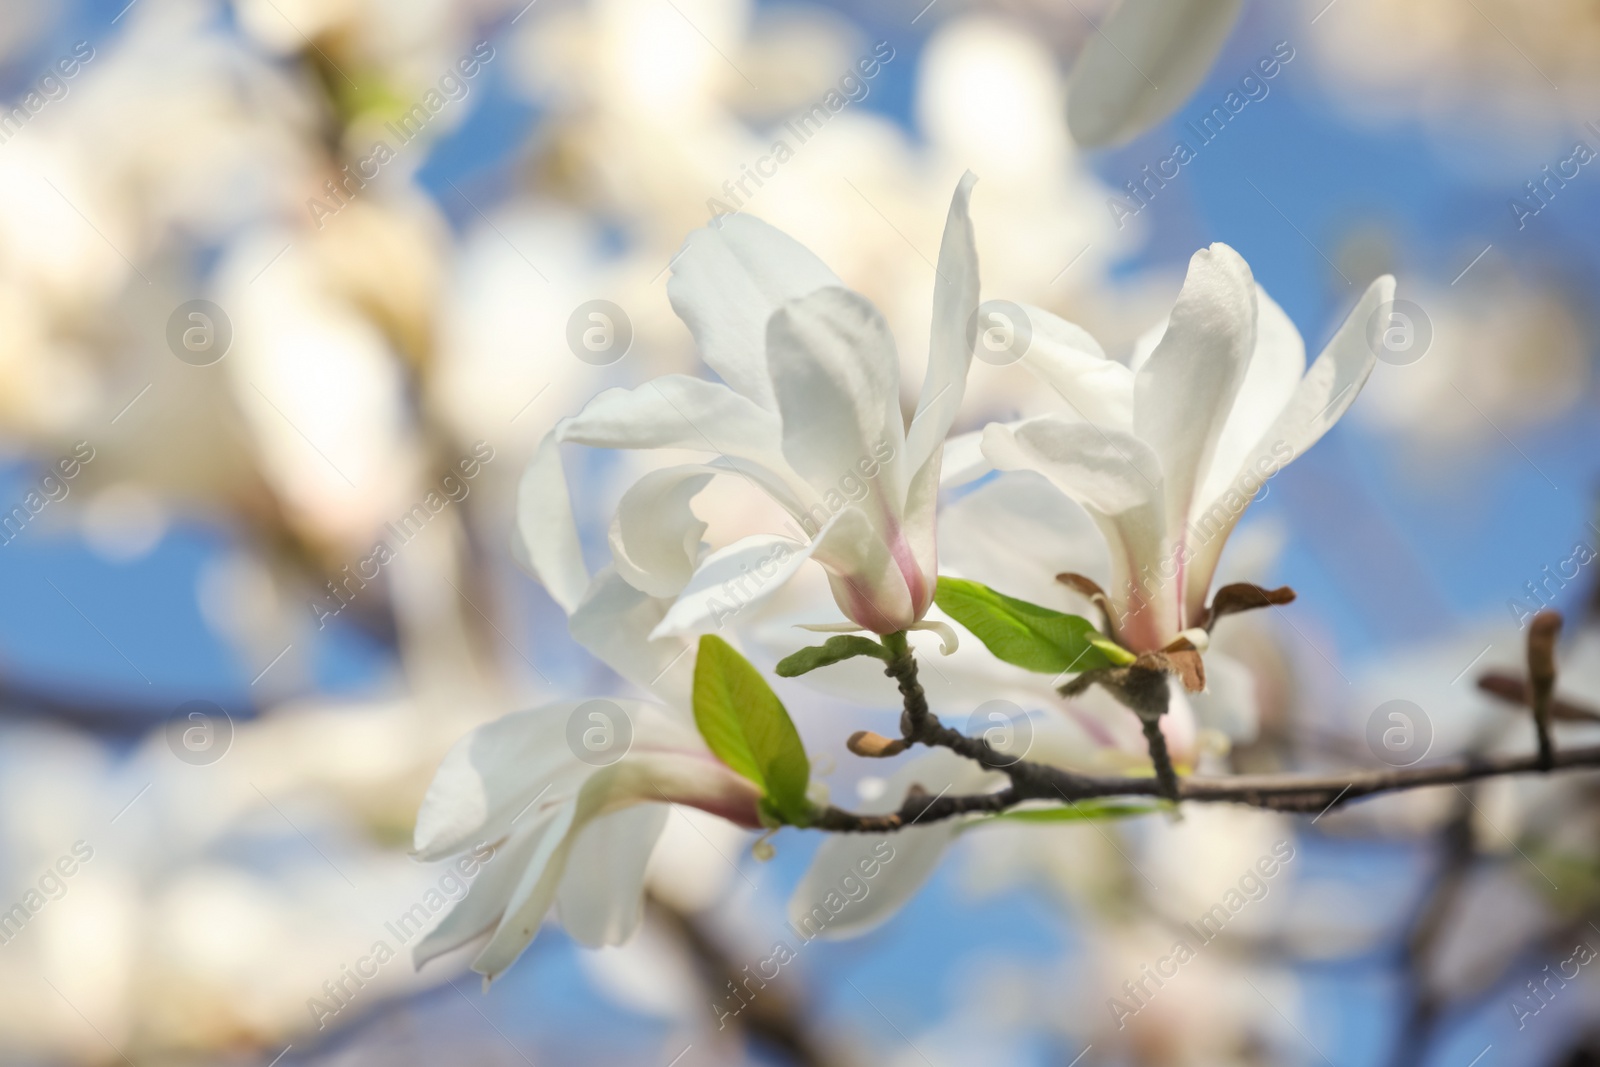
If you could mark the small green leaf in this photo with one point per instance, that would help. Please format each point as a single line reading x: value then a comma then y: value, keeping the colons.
x: 1025, y: 634
x: 832, y: 650
x: 1082, y: 811
x: 746, y: 726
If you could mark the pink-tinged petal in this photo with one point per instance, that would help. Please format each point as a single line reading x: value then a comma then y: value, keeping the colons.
x: 727, y: 281
x: 1184, y: 392
x: 1320, y: 400
x: 1117, y: 479
x: 955, y: 301
x: 1143, y: 62
x: 874, y: 573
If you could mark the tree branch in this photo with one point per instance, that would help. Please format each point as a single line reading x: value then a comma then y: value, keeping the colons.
x: 1042, y: 782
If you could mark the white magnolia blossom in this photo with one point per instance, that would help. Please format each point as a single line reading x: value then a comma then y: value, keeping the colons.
x: 1166, y: 453
x: 1142, y: 64
x: 572, y: 830
x: 810, y: 414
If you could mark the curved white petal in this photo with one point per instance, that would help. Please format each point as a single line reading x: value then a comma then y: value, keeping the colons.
x: 655, y: 534
x: 1274, y: 372
x: 730, y: 580
x: 615, y: 621
x: 1016, y: 533
x: 955, y: 301
x: 1065, y: 357
x: 964, y: 460
x: 491, y: 776
x: 726, y: 283
x: 1117, y: 479
x: 900, y: 862
x: 1320, y: 400
x: 545, y: 542
x: 481, y: 909
x: 833, y: 364
x: 1185, y: 390
x: 601, y: 896
x: 1142, y: 64
x: 532, y: 895
x: 876, y: 582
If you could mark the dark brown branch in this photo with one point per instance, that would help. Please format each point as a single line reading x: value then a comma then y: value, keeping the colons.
x: 1042, y: 782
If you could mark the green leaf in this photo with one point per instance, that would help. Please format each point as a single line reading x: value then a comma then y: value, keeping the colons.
x: 1025, y: 634
x: 746, y: 726
x: 1082, y: 811
x: 832, y: 650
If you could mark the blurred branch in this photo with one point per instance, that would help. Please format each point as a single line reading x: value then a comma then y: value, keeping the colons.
x: 773, y: 1018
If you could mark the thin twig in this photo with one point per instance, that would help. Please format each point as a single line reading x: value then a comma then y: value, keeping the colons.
x: 1275, y: 792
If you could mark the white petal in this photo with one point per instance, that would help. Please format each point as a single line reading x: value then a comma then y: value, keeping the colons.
x: 532, y: 896
x: 1065, y: 357
x: 868, y: 579
x: 726, y: 283
x: 948, y: 640
x: 903, y: 860
x: 677, y: 411
x: 481, y: 909
x: 1116, y: 477
x: 833, y: 363
x: 964, y: 460
x: 955, y: 301
x: 1185, y: 390
x: 1016, y: 533
x: 614, y: 623
x: 731, y: 579
x: 1322, y: 397
x: 491, y: 775
x: 1142, y: 64
x: 1274, y: 372
x: 601, y: 897
x: 655, y: 534
x: 545, y: 542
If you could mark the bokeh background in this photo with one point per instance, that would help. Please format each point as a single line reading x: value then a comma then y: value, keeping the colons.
x: 372, y: 340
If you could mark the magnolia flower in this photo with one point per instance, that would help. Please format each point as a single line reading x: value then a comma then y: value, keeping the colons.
x: 565, y: 833
x: 1142, y: 64
x: 572, y: 825
x: 810, y: 415
x: 1166, y: 454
